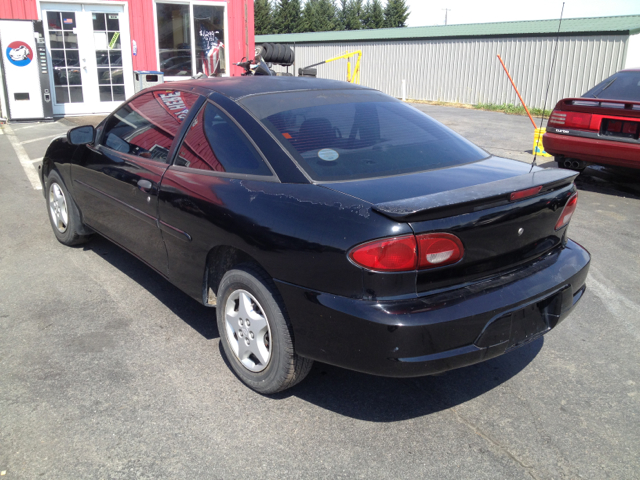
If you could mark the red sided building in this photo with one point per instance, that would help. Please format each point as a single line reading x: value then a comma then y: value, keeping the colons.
x: 94, y: 47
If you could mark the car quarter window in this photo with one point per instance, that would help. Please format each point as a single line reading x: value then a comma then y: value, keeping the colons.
x: 215, y: 143
x: 147, y: 125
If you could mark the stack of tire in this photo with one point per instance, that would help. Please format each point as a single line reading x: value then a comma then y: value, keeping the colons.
x: 276, y: 53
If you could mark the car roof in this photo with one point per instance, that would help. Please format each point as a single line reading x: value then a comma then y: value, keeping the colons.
x: 637, y: 69
x: 238, y: 87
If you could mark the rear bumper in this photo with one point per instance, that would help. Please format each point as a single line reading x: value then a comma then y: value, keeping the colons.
x: 427, y: 335
x: 601, y: 152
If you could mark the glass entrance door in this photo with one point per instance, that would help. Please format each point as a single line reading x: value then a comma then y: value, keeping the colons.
x: 65, y: 58
x: 107, y: 44
x: 90, y: 55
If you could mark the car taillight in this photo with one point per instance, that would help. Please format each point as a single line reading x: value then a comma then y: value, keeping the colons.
x: 439, y: 249
x: 579, y: 120
x: 567, y: 211
x: 409, y: 252
x: 388, y: 255
x: 620, y: 128
x: 529, y: 192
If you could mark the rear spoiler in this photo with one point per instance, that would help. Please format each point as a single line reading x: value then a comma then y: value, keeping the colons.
x: 626, y: 108
x: 474, y: 198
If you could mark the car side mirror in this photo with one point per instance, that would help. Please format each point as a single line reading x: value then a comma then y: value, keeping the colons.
x: 81, y: 135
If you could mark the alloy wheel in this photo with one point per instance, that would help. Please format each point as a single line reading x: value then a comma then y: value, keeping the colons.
x: 248, y: 330
x: 58, y: 208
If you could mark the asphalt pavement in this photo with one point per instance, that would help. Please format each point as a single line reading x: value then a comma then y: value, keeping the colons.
x: 108, y: 371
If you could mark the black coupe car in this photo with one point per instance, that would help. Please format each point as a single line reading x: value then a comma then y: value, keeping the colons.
x: 325, y: 221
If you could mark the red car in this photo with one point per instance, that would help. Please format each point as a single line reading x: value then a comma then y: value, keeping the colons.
x: 601, y: 127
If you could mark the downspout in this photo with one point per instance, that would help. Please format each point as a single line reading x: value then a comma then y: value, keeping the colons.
x: 246, y: 31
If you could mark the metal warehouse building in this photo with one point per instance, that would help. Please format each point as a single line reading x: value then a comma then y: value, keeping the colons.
x: 458, y: 63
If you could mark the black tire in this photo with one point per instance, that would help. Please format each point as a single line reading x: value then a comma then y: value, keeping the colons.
x: 273, y: 52
x: 285, y: 55
x: 280, y: 52
x: 267, y: 55
x: 290, y: 55
x: 265, y: 51
x: 68, y: 228
x: 284, y: 368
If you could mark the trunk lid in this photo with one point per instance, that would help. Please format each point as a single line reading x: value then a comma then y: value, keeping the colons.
x: 473, y: 202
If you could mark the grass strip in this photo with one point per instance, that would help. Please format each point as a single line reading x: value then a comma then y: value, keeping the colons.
x: 507, y: 108
x: 511, y: 109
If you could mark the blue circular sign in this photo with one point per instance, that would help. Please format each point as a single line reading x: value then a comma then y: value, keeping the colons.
x: 19, y: 53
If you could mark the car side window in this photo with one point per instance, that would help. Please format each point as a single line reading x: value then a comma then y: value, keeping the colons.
x: 214, y: 142
x: 147, y: 125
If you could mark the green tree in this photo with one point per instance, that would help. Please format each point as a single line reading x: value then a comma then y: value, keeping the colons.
x: 365, y: 13
x: 288, y: 17
x: 319, y: 16
x: 341, y: 12
x: 326, y: 14
x: 310, y: 16
x: 352, y: 15
x: 396, y: 13
x: 263, y: 17
x: 373, y: 15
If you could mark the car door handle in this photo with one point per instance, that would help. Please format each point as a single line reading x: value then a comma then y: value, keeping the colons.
x: 145, y: 185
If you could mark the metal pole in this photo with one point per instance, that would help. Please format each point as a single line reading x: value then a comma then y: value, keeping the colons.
x: 446, y: 11
x: 246, y: 31
x: 516, y: 89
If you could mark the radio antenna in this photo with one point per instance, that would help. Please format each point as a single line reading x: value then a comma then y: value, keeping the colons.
x: 546, y: 96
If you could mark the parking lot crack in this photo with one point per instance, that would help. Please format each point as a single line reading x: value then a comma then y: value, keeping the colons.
x: 528, y: 468
x: 561, y: 462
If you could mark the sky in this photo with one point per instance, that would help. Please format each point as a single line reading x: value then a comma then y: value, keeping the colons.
x: 430, y: 12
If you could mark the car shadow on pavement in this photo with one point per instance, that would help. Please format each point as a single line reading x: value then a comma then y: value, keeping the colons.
x: 202, y: 319
x: 380, y: 399
x: 352, y: 394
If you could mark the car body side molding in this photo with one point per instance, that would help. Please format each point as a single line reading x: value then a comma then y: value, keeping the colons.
x: 176, y: 232
x: 150, y: 219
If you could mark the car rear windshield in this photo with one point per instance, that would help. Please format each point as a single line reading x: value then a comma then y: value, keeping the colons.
x: 351, y: 135
x: 620, y: 86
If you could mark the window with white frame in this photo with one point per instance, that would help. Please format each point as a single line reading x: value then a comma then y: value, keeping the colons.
x: 191, y: 39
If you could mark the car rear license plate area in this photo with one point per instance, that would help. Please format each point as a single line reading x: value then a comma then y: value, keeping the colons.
x: 523, y: 325
x: 620, y: 128
x: 528, y: 324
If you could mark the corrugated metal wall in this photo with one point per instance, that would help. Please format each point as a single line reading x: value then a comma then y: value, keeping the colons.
x: 468, y: 71
x: 18, y: 9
